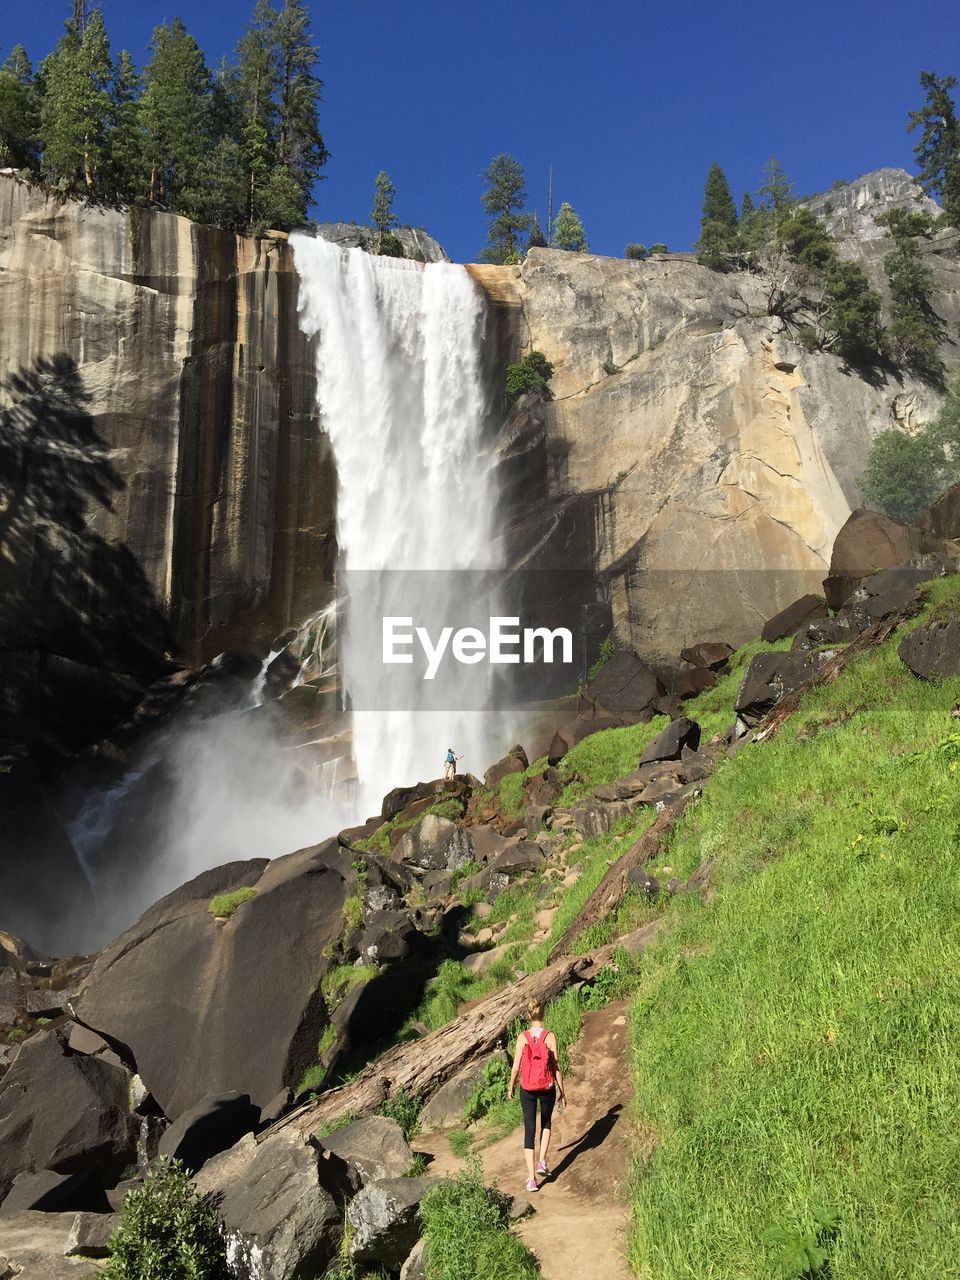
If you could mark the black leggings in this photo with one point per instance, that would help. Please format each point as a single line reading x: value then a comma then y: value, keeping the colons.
x: 528, y: 1103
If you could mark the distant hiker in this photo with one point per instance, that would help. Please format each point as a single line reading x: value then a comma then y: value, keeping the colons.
x: 541, y: 1081
x: 450, y: 766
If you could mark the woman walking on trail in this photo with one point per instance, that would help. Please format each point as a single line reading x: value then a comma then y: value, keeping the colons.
x: 541, y: 1082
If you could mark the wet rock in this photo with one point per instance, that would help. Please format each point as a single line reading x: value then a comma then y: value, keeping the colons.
x: 279, y: 1218
x: 209, y: 1127
x: 374, y: 1146
x: 670, y: 742
x: 385, y: 1218
x: 795, y: 617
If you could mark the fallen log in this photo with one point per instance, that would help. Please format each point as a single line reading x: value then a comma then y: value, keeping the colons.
x: 775, y: 718
x: 612, y: 889
x: 421, y: 1066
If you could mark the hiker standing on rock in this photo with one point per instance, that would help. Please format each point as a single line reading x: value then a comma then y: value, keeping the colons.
x: 450, y: 766
x: 541, y: 1082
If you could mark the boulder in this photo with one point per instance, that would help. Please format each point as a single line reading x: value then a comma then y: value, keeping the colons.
x: 49, y: 1192
x: 624, y: 686
x: 389, y: 936
x: 691, y: 681
x: 281, y: 1205
x: 90, y: 1235
x: 709, y: 653
x: 215, y: 1006
x: 446, y: 1107
x: 867, y: 542
x: 595, y: 818
x: 487, y: 841
x: 519, y: 857
x: 770, y: 676
x: 415, y: 1267
x: 374, y: 1009
x: 515, y: 761
x: 942, y: 518
x: 932, y: 651
x: 895, y: 590
x: 670, y: 742
x: 213, y: 1124
x: 479, y: 962
x: 396, y: 801
x: 544, y: 792
x: 435, y: 844
x: 574, y: 731
x: 64, y: 1112
x: 385, y: 1220
x: 796, y: 616
x: 374, y: 1146
x: 34, y: 1246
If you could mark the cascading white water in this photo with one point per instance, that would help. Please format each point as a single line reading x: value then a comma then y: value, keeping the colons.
x: 400, y: 394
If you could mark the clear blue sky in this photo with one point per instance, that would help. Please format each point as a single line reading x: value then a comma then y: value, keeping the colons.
x: 629, y: 100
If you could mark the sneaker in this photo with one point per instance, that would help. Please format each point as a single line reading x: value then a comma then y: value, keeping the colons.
x: 532, y: 1184
x: 542, y: 1169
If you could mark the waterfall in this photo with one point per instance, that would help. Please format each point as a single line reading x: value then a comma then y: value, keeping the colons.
x: 400, y: 393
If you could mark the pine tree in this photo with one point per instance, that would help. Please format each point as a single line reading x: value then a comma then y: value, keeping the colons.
x: 76, y: 106
x: 568, y: 232
x: 504, y: 200
x: 19, y: 112
x: 938, y: 151
x: 717, y: 246
x: 746, y: 206
x: 776, y: 192
x: 301, y: 152
x: 536, y: 238
x: 855, y: 328
x: 124, y: 176
x: 916, y: 330
x: 382, y: 215
x: 176, y: 116
x: 257, y: 83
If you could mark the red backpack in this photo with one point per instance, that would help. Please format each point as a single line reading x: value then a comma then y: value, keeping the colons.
x: 536, y: 1068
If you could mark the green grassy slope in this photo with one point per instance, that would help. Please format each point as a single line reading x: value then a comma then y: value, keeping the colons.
x: 796, y: 1040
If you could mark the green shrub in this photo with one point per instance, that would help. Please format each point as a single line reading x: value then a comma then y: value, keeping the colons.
x: 467, y: 1234
x: 391, y: 246
x: 225, y: 904
x: 16, y: 1035
x: 491, y: 1089
x: 530, y: 374
x: 635, y: 252
x: 603, y: 657
x: 405, y: 1108
x: 460, y: 1142
x: 904, y: 473
x: 168, y: 1232
x: 659, y: 247
x: 353, y: 912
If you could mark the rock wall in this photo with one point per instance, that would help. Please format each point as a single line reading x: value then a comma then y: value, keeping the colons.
x: 693, y: 455
x: 166, y: 490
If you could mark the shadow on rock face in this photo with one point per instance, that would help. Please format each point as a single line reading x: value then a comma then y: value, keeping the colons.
x: 81, y: 633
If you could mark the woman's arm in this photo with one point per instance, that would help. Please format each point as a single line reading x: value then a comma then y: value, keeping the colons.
x: 555, y: 1054
x: 517, y: 1059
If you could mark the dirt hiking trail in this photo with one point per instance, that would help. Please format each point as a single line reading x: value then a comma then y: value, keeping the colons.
x: 578, y: 1230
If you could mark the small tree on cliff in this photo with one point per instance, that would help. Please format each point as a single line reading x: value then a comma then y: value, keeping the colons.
x: 938, y: 150
x: 382, y: 215
x: 568, y: 232
x: 536, y: 239
x: 718, y: 243
x: 504, y: 200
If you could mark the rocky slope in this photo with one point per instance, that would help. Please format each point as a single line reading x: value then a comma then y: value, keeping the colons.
x: 694, y: 455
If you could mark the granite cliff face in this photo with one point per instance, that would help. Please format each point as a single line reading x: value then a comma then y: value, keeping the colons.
x: 694, y: 455
x: 166, y: 489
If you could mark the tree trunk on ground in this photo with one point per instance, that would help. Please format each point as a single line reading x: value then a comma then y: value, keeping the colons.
x: 421, y: 1066
x: 612, y: 889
